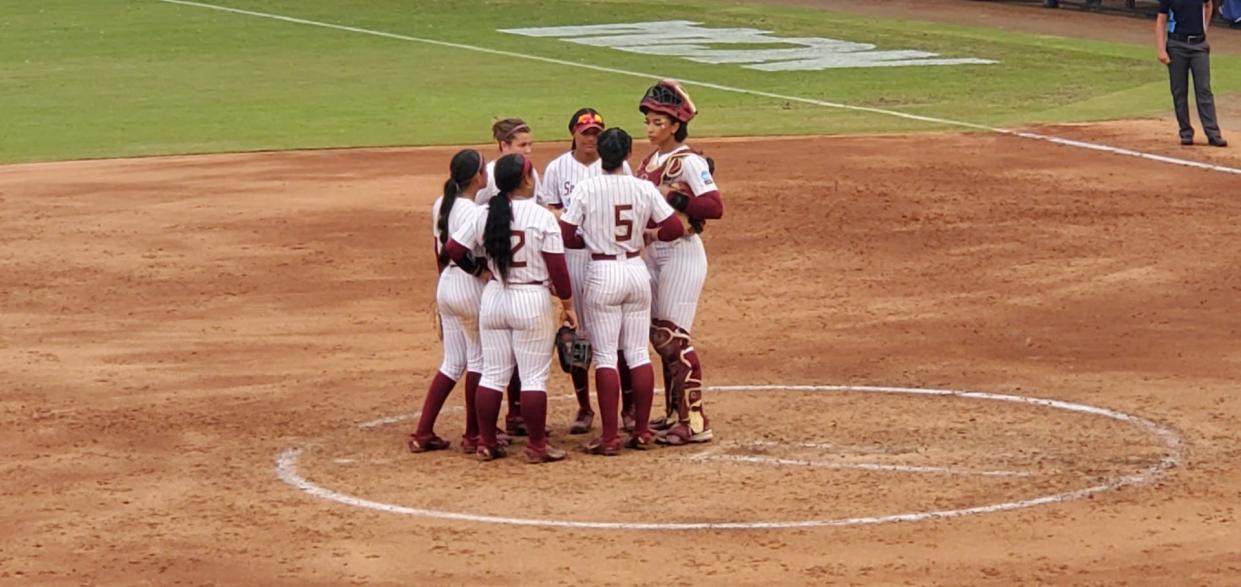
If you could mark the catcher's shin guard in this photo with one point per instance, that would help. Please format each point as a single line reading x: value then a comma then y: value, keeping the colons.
x: 670, y: 343
x: 682, y: 391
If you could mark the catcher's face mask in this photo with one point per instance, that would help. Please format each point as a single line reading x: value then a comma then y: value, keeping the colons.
x: 668, y: 97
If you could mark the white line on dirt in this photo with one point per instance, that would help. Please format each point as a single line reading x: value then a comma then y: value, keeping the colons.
x: 893, y: 113
x: 286, y: 470
x: 765, y: 460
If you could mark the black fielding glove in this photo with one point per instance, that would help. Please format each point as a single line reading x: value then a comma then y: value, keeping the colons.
x: 678, y: 201
x: 470, y: 265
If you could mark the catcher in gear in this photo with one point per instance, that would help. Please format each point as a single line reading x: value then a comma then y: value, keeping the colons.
x: 678, y: 269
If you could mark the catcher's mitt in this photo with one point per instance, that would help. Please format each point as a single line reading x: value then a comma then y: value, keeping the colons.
x: 571, y: 349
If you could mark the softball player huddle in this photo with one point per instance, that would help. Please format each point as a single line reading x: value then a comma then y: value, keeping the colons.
x: 503, y: 262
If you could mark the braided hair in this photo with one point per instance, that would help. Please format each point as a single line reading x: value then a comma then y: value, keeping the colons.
x: 510, y: 171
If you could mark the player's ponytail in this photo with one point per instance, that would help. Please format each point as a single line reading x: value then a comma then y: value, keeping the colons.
x: 510, y: 171
x: 466, y: 164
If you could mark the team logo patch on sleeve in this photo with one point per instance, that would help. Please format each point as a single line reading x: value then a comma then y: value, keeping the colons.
x: 706, y: 177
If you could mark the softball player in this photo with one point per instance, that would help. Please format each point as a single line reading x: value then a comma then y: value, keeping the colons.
x: 512, y: 135
x: 611, y: 213
x: 525, y: 254
x: 678, y: 269
x: 457, y: 296
x: 579, y: 163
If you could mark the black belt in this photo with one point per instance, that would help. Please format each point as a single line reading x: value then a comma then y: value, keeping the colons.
x: 504, y: 283
x: 1187, y: 38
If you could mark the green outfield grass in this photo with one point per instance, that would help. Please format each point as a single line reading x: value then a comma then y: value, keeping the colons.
x: 102, y: 78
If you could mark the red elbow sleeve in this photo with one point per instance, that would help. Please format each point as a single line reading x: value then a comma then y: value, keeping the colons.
x: 708, y: 206
x: 568, y: 232
x: 671, y: 229
x: 558, y: 271
x: 455, y: 250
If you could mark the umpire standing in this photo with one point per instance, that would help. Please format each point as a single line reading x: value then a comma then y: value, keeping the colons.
x: 1181, y: 37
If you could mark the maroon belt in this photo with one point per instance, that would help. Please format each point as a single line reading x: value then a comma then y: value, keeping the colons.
x: 493, y: 278
x: 604, y: 257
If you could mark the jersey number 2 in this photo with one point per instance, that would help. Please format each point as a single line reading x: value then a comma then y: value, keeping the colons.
x: 520, y: 236
x: 623, y: 223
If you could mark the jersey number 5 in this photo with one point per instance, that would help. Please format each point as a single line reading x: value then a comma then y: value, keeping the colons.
x: 519, y: 242
x: 623, y: 223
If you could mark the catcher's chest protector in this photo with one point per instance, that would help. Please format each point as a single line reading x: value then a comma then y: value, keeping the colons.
x: 666, y: 172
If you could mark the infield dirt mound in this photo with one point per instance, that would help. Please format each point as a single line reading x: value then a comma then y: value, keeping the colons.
x: 170, y: 324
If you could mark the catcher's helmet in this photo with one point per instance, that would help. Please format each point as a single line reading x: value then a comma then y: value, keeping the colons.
x: 668, y: 97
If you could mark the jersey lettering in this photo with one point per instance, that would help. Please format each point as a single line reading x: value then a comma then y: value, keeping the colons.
x: 520, y: 244
x: 622, y: 222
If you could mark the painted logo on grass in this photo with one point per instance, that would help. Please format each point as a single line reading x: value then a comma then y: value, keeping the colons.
x: 688, y: 40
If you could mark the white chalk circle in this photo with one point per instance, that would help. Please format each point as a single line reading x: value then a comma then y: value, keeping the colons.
x: 286, y: 470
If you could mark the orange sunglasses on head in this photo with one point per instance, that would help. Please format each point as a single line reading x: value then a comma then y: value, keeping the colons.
x: 588, y: 117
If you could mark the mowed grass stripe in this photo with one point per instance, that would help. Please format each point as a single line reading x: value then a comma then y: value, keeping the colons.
x: 136, y: 77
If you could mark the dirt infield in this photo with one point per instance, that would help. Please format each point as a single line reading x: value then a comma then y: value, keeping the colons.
x: 171, y: 325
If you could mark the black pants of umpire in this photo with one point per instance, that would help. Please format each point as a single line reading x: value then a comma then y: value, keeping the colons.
x: 1192, y: 57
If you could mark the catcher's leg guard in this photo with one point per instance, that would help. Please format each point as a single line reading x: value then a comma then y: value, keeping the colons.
x: 670, y: 343
x: 686, y: 420
x: 699, y: 423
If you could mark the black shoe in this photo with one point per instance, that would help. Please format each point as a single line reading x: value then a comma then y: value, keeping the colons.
x: 1220, y: 142
x: 1187, y: 142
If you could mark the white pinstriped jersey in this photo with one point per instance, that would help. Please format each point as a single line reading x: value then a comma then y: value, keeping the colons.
x: 488, y: 191
x: 463, y: 211
x: 563, y: 173
x: 611, y: 211
x: 678, y: 269
x: 534, y: 231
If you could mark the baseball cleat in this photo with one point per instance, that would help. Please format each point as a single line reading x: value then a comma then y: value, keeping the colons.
x: 470, y: 445
x: 644, y: 442
x: 608, y: 449
x: 581, y: 424
x: 681, y: 434
x: 426, y: 444
x: 485, y: 454
x: 662, y: 423
x: 628, y: 421
x: 548, y: 454
x: 514, y: 425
